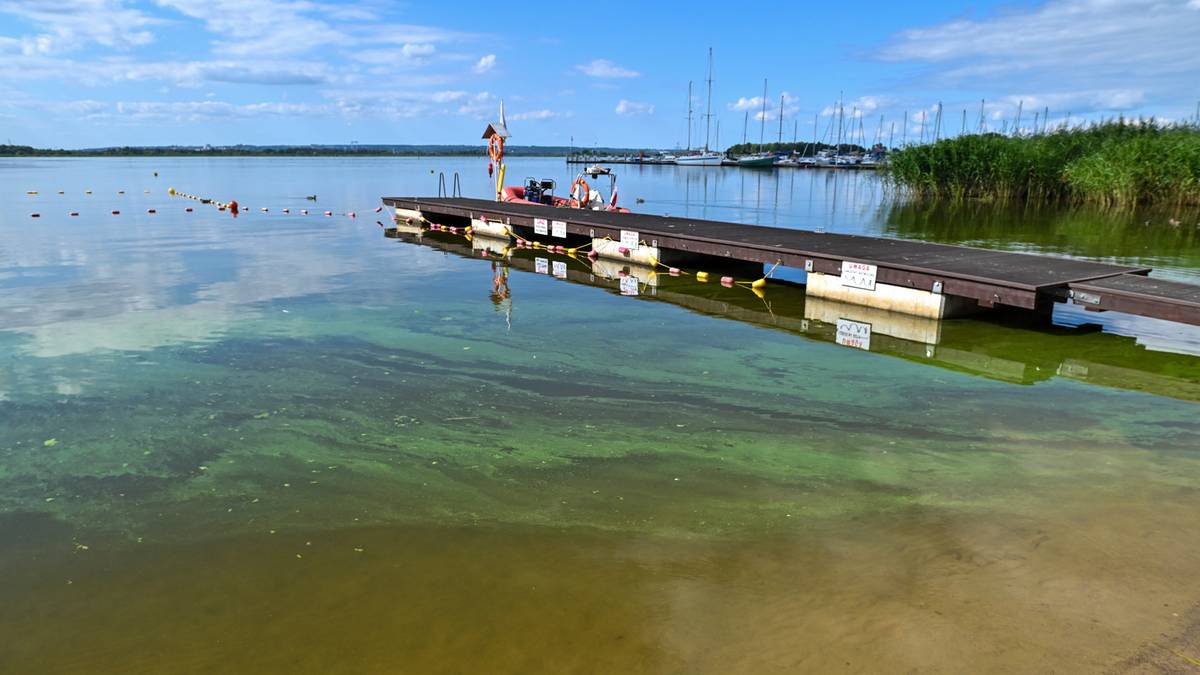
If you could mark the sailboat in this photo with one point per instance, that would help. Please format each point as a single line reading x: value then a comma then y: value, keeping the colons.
x: 759, y: 160
x: 706, y: 157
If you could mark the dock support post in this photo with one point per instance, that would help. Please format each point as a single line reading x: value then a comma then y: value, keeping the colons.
x: 892, y: 298
x: 640, y: 254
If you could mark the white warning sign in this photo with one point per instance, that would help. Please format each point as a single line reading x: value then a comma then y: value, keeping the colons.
x: 854, y: 334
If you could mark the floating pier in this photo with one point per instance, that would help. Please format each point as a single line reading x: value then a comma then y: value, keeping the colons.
x: 917, y: 278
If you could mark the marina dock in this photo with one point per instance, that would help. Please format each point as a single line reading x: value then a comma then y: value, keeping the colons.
x: 911, y: 277
x: 588, y: 159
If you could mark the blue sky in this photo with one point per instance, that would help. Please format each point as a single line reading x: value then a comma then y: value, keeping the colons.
x: 83, y: 73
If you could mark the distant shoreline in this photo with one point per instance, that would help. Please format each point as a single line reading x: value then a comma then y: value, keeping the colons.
x: 302, y: 151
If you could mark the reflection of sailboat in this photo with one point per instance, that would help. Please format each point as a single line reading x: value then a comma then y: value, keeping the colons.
x: 706, y: 157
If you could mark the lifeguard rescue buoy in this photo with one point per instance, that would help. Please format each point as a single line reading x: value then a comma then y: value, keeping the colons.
x: 496, y: 147
x: 584, y: 193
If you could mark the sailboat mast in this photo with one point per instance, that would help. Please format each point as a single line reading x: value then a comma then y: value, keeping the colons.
x: 689, y: 140
x: 708, y: 104
x: 780, y: 119
x: 762, y: 122
x: 841, y: 122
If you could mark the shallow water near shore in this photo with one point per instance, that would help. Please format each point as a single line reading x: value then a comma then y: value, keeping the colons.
x: 288, y: 443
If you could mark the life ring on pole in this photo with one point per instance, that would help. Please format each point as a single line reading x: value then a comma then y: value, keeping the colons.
x: 582, y: 196
x: 496, y: 148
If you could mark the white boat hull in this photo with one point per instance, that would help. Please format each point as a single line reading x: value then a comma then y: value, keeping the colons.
x: 699, y: 160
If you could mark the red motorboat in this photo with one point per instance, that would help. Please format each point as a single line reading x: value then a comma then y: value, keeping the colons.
x: 583, y: 195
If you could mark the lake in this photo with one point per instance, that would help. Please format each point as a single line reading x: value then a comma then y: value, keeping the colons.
x: 288, y: 442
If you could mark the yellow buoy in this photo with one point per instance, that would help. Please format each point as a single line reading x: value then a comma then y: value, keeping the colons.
x: 701, y: 276
x: 760, y: 283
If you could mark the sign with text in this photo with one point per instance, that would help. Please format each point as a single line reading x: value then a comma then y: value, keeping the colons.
x: 854, y: 334
x: 858, y: 275
x: 558, y: 229
x: 629, y: 285
x: 541, y: 265
x: 629, y: 239
x: 539, y: 226
x: 559, y: 269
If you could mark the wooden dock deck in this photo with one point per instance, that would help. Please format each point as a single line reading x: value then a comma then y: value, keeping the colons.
x: 987, y: 277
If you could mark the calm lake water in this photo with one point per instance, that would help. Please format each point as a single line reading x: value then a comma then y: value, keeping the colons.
x: 290, y: 443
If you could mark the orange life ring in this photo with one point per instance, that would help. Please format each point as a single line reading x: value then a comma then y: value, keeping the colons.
x: 583, y: 198
x: 496, y: 147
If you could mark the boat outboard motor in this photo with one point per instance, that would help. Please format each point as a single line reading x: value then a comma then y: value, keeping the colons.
x: 547, y: 190
x: 533, y: 190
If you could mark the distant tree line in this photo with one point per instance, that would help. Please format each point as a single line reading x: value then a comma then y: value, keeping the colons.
x: 286, y: 151
x: 801, y: 149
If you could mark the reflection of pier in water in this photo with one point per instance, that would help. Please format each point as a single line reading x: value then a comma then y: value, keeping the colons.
x: 1017, y: 354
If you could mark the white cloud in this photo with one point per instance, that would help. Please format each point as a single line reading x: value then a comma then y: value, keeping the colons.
x: 488, y: 62
x: 70, y: 24
x: 791, y: 106
x: 1093, y: 50
x: 198, y: 110
x: 535, y: 115
x: 859, y: 106
x: 605, y: 68
x: 625, y: 107
x: 448, y: 96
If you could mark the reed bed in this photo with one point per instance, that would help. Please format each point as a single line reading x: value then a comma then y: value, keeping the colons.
x: 1119, y: 163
